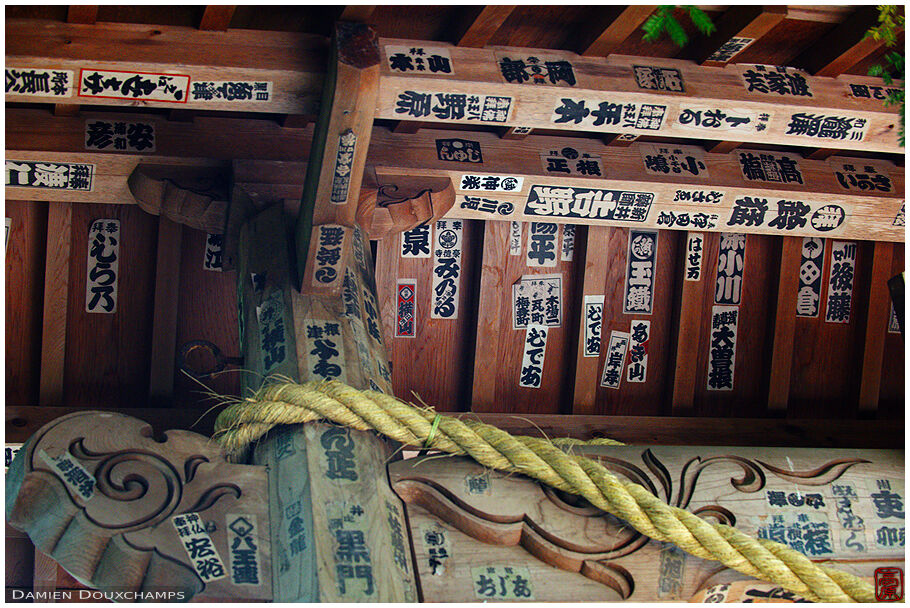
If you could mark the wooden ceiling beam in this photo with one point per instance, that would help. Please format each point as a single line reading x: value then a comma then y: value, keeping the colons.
x: 623, y: 22
x: 744, y: 22
x: 359, y: 13
x: 217, y: 17
x: 843, y: 47
x: 480, y: 24
x: 82, y: 13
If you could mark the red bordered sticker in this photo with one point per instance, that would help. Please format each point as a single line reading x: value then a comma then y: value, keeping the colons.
x: 889, y: 584
x: 406, y: 323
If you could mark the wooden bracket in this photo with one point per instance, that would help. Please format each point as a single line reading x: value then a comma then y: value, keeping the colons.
x: 403, y: 203
x: 123, y: 511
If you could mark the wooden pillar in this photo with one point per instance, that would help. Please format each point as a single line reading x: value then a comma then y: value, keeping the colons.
x: 338, y: 530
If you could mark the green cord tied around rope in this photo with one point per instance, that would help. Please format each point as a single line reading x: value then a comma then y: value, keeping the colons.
x: 244, y: 423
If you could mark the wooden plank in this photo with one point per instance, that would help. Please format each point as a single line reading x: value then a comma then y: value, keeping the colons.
x: 436, y: 363
x: 360, y: 13
x: 399, y: 160
x: 22, y: 421
x: 483, y: 519
x: 217, y: 17
x: 891, y: 401
x: 164, y: 321
x: 876, y: 327
x: 750, y: 22
x: 56, y: 294
x: 82, y: 13
x: 628, y: 20
x: 692, y: 301
x: 844, y: 46
x: 293, y: 63
x: 481, y: 24
x: 587, y: 369
x: 732, y: 89
x: 784, y: 325
x: 44, y: 579
x: 25, y: 251
x: 499, y: 348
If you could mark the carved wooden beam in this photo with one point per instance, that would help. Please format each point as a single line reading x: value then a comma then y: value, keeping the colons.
x: 124, y: 512
x: 337, y: 528
x: 480, y: 535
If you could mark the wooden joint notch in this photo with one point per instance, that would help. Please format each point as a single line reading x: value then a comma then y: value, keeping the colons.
x: 403, y: 202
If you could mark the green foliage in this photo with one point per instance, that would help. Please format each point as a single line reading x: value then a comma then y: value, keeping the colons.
x: 663, y: 21
x: 887, y: 31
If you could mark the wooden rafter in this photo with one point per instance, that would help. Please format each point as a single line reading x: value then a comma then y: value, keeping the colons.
x: 844, y: 46
x: 359, y: 13
x: 82, y: 13
x: 217, y: 17
x: 622, y: 23
x: 480, y: 24
x: 750, y: 22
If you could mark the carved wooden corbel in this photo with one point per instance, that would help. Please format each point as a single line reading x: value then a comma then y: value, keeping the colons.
x: 123, y: 511
x: 398, y: 203
x: 198, y: 200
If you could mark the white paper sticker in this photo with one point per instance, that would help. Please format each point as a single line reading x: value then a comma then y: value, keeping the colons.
x: 695, y: 245
x: 533, y: 358
x: 490, y: 183
x: 415, y: 243
x: 638, y: 296
x: 72, y: 473
x: 639, y: 343
x: 199, y: 547
x: 214, y: 244
x: 568, y: 243
x: 231, y: 90
x: 419, y: 60
x: 50, y: 175
x: 722, y: 347
x: 243, y: 544
x: 39, y: 82
x: 537, y: 300
x: 840, y: 282
x: 515, y: 238
x: 615, y: 359
x: 894, y: 327
x: 593, y: 320
x: 447, y: 246
x: 812, y: 258
x: 134, y: 86
x: 103, y: 266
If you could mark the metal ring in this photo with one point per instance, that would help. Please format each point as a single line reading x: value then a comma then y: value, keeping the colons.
x: 220, y: 360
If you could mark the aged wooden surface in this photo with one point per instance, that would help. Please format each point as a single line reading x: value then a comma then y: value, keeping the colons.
x: 56, y: 294
x: 481, y: 535
x: 105, y: 499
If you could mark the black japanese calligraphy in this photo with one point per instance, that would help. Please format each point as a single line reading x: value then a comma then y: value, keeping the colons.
x: 776, y: 80
x: 711, y: 197
x: 502, y: 583
x: 515, y: 238
x: 675, y: 160
x: 491, y: 183
x: 329, y: 247
x: 845, y: 501
x: 826, y: 127
x: 642, y: 262
x: 722, y: 352
x: 338, y: 448
x: 607, y: 115
x: 537, y: 69
x: 231, y: 90
x: 406, y: 310
x: 103, y: 266
x: 569, y: 161
x: 730, y: 49
x: 272, y: 334
x: 459, y: 150
x: 435, y: 538
x: 808, y: 533
x: 840, y: 282
x: 868, y: 91
x: 454, y: 106
x: 542, y: 239
x: 243, y: 542
x: 568, y: 243
x: 533, y: 358
x: 419, y: 60
x: 39, y: 82
x: 828, y: 218
x: 120, y: 136
x: 611, y: 377
x: 810, y: 277
x: 617, y: 205
x: 863, y: 177
x: 658, y: 79
x: 446, y: 269
x: 341, y: 179
x: 537, y: 300
x: 199, y: 547
x: 593, y: 310
x: 214, y: 244
x: 352, y: 555
x: 51, y: 176
x: 684, y: 219
x: 326, y: 357
x: 716, y: 119
x: 767, y: 167
x: 731, y: 262
x: 72, y: 473
x: 134, y: 85
x: 670, y: 576
x: 639, y: 337
x: 695, y: 244
x: 415, y: 243
x: 487, y: 205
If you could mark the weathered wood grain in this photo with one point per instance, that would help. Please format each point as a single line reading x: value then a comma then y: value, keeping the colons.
x: 879, y: 308
x: 56, y: 294
x: 165, y: 307
x: 784, y: 324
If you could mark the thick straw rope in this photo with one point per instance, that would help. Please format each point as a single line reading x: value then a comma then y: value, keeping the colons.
x: 244, y: 423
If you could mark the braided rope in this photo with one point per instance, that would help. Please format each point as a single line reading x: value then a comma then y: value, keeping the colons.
x: 242, y: 424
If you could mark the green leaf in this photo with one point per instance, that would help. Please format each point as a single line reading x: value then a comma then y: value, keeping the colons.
x: 677, y: 33
x: 702, y: 21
